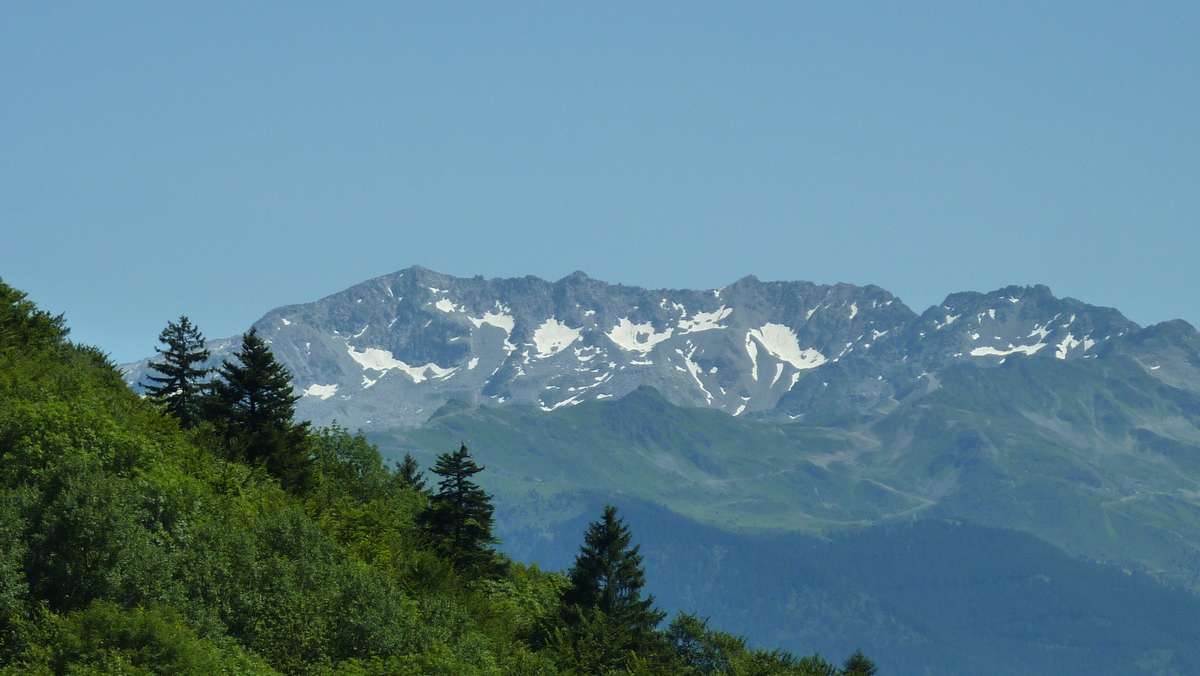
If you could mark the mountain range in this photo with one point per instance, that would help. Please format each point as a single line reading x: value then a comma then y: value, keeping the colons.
x: 392, y: 350
x: 791, y: 420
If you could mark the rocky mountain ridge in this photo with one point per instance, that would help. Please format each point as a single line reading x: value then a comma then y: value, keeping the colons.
x: 392, y: 350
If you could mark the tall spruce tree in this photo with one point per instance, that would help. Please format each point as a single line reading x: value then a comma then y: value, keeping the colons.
x: 459, y: 516
x: 178, y: 385
x: 605, y: 625
x: 252, y: 400
x: 608, y: 576
x: 409, y: 473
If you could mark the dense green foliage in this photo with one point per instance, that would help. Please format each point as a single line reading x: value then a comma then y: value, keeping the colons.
x: 176, y: 379
x: 131, y: 545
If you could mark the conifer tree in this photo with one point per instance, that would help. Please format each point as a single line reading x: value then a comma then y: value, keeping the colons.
x: 608, y: 576
x: 409, y: 473
x: 252, y: 400
x: 178, y: 385
x: 459, y: 516
x: 858, y: 665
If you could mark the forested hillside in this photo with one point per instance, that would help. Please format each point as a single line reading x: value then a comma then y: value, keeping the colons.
x: 205, y: 531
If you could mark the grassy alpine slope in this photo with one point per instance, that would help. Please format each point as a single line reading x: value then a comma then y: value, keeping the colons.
x: 1060, y: 498
x: 1093, y: 456
x: 130, y: 546
x: 701, y: 463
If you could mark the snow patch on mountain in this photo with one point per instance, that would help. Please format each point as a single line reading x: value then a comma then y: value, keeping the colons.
x: 781, y: 342
x: 320, y: 391
x: 705, y: 321
x: 752, y: 350
x: 375, y: 359
x: 498, y: 319
x: 694, y: 369
x: 950, y: 319
x: 570, y: 401
x: 1069, y: 343
x: 636, y: 337
x: 553, y: 337
x: 990, y: 351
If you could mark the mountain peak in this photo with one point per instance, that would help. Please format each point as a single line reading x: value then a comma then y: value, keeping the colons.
x: 577, y: 276
x: 1172, y: 329
x: 417, y: 270
x: 1012, y: 293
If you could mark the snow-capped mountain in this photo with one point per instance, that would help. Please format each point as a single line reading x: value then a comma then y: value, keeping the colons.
x: 392, y: 350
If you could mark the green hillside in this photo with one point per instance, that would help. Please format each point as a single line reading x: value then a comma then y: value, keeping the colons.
x: 699, y: 462
x: 1094, y: 456
x: 1042, y: 509
x: 128, y: 545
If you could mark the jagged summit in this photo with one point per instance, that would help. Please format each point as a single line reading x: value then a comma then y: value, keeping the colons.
x: 396, y: 348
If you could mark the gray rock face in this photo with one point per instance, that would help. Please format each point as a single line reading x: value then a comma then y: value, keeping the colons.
x: 392, y: 350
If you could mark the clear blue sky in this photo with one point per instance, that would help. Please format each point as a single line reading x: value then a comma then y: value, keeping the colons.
x: 221, y: 161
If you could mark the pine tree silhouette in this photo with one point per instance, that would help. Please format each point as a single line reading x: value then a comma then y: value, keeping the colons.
x: 178, y: 385
x: 252, y: 400
x: 410, y: 473
x: 459, y: 516
x: 608, y: 576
